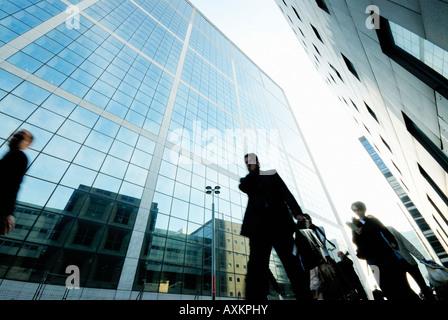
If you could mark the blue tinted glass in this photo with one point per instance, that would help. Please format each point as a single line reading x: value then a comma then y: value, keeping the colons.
x: 74, y: 131
x: 9, y: 125
x: 59, y: 105
x: 38, y: 52
x: 74, y: 87
x: 48, y: 168
x: 84, y: 116
x: 49, y: 44
x: 46, y: 119
x: 76, y: 176
x: 25, y: 62
x: 99, y: 141
x: 127, y: 136
x: 17, y: 107
x: 83, y: 77
x: 108, y: 183
x: 14, y: 24
x: 62, y: 148
x: 8, y: 81
x: 117, y: 108
x: 136, y: 175
x: 131, y: 190
x: 35, y: 191
x: 31, y: 92
x: 107, y: 127
x: 424, y: 50
x: 61, y: 65
x: 51, y: 75
x: 114, y: 167
x: 90, y: 158
x: 141, y: 158
x: 121, y: 150
x: 7, y: 34
x: 59, y: 37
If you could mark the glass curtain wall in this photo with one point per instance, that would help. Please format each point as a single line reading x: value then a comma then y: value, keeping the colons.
x: 135, y: 107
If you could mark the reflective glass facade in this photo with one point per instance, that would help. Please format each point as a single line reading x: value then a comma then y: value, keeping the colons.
x: 135, y: 107
x: 427, y: 52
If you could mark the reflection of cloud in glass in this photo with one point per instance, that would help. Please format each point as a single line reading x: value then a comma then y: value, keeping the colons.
x: 77, y: 175
x: 106, y: 182
x: 131, y: 190
x: 62, y: 148
x: 48, y: 168
x: 60, y: 198
x: 114, y: 167
x: 35, y: 191
x: 90, y: 158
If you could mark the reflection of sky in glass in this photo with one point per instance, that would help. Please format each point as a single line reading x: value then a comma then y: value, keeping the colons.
x: 427, y: 52
x: 92, y: 159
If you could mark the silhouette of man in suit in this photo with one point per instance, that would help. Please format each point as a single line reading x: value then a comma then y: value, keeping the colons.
x: 377, y: 245
x: 268, y: 223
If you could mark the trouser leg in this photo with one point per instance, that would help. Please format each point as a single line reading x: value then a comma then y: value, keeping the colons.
x: 414, y: 271
x: 299, y: 279
x: 257, y: 278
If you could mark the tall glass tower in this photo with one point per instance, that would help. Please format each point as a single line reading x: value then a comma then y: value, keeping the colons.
x: 136, y: 106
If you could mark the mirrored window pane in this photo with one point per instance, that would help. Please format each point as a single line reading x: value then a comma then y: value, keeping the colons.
x: 62, y: 148
x: 141, y: 159
x: 196, y: 213
x: 90, y: 158
x: 99, y: 141
x: 60, y: 198
x: 163, y: 202
x: 9, y: 125
x: 74, y: 131
x: 58, y: 105
x: 136, y: 175
x: 48, y: 168
x: 179, y: 209
x: 121, y: 150
x: 76, y: 176
x: 165, y: 185
x: 84, y: 116
x: 424, y: 50
x: 107, y: 127
x: 35, y: 191
x: 108, y: 183
x: 17, y: 107
x: 31, y: 92
x: 131, y: 190
x: 114, y: 167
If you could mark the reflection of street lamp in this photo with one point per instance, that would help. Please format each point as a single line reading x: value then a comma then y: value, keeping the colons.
x: 214, y: 191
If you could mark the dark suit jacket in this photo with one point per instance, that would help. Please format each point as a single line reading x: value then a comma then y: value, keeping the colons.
x: 12, y: 169
x: 269, y: 206
x: 371, y: 244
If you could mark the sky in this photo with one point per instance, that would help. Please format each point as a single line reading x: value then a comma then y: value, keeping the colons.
x: 260, y: 30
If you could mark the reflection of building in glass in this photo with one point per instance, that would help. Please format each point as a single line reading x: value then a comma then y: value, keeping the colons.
x: 387, y: 62
x: 92, y: 232
x: 136, y: 106
x: 191, y: 262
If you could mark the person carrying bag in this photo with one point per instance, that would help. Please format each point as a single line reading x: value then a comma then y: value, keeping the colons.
x: 438, y: 277
x: 309, y: 251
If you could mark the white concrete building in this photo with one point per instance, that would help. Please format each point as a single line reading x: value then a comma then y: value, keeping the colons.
x: 387, y: 60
